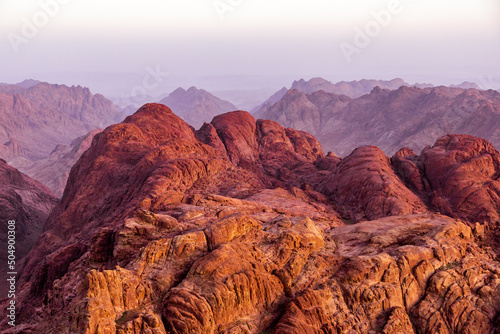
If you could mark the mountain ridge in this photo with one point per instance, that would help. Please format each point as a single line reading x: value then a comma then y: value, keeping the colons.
x: 244, y: 225
x: 408, y: 116
x: 44, y: 115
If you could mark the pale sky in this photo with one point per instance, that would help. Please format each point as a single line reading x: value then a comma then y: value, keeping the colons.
x: 84, y: 41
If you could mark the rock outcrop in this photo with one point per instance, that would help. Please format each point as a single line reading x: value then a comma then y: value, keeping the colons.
x: 244, y: 226
x: 364, y: 186
x: 458, y: 177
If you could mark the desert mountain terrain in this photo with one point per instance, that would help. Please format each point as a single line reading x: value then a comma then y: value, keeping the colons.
x: 244, y: 226
x: 350, y: 88
x: 389, y: 119
x: 53, y: 171
x: 37, y: 117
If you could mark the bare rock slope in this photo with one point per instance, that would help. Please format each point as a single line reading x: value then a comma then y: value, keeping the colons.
x: 40, y: 116
x: 240, y: 227
x: 27, y: 203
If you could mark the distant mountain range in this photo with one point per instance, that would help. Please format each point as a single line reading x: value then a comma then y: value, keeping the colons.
x: 352, y: 89
x: 390, y: 119
x: 196, y: 106
x: 36, y: 117
x: 40, y: 121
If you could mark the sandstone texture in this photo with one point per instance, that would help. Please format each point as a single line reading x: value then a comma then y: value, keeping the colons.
x: 244, y: 226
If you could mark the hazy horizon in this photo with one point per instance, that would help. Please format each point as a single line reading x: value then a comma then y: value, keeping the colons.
x: 112, y: 47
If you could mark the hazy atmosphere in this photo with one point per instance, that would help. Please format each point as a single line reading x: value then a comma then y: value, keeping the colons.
x: 249, y: 166
x: 111, y: 46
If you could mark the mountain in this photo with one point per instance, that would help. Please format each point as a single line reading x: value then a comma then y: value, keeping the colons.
x: 196, y: 106
x: 28, y: 203
x: 28, y: 83
x: 247, y: 227
x: 352, y: 88
x: 408, y: 116
x: 271, y: 100
x: 54, y: 170
x: 467, y: 85
x: 43, y: 115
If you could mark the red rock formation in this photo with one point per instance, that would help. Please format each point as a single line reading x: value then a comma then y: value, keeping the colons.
x: 163, y: 229
x: 365, y: 186
x: 151, y: 163
x: 457, y: 177
x: 423, y: 274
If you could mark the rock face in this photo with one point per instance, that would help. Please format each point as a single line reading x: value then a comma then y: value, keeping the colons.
x: 458, y: 176
x: 423, y: 274
x: 54, y: 170
x: 365, y: 186
x: 41, y: 116
x: 196, y: 106
x: 239, y: 227
x: 409, y: 116
x: 28, y: 203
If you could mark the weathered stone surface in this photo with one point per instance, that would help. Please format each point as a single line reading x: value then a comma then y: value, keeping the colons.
x: 457, y: 177
x: 366, y: 187
x: 400, y: 275
x: 164, y: 229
